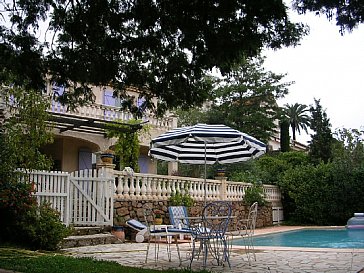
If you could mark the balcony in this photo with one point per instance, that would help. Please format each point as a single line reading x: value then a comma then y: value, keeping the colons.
x: 91, y: 118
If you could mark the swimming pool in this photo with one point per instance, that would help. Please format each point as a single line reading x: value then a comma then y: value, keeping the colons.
x: 314, y: 238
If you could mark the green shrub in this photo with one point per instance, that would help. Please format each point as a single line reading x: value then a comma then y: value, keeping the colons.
x: 43, y: 229
x: 180, y: 199
x: 254, y: 194
x: 270, y: 168
x: 325, y: 194
x: 245, y: 176
x: 16, y: 200
x: 25, y: 222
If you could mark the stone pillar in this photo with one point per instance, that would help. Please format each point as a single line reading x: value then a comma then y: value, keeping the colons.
x: 152, y: 167
x: 172, y: 167
x: 223, y: 189
x: 109, y: 167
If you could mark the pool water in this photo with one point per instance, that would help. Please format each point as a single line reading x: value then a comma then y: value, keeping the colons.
x: 314, y: 238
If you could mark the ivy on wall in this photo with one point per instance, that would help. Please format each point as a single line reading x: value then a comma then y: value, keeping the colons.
x: 127, y: 146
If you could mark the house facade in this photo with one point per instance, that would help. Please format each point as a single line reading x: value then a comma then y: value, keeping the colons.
x: 79, y: 136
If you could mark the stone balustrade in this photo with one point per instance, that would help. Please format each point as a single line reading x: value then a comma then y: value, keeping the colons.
x: 109, y: 113
x: 160, y: 187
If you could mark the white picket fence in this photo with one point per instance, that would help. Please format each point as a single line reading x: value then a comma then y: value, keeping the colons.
x: 82, y: 198
x: 87, y: 197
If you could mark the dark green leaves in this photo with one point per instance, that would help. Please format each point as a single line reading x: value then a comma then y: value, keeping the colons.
x: 161, y: 47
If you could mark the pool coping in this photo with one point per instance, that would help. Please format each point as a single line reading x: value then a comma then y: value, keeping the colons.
x: 279, y: 229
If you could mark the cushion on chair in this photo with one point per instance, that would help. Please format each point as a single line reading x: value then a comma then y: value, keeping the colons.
x: 135, y: 224
x: 174, y: 213
x: 180, y: 230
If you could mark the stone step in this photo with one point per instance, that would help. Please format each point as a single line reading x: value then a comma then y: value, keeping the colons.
x: 89, y: 236
x: 79, y: 231
x: 90, y: 240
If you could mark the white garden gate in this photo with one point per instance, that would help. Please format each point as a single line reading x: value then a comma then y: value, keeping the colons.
x: 83, y: 198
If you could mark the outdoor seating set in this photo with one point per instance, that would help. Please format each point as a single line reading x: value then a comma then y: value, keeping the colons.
x: 210, y: 235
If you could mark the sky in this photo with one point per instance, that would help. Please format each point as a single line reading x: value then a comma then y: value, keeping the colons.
x: 325, y: 66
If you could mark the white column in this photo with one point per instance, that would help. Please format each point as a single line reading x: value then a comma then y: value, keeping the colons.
x: 172, y: 167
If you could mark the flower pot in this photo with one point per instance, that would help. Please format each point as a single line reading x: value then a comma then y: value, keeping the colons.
x: 107, y: 158
x: 118, y: 231
x: 158, y: 221
x: 220, y: 172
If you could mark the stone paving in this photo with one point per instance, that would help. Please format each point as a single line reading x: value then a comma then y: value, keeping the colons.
x: 269, y: 260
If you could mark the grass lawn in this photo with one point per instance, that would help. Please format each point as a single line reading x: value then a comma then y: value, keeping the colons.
x: 26, y: 261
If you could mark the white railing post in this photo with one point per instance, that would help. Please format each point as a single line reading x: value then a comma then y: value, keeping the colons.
x: 120, y: 187
x: 169, y: 190
x: 159, y: 189
x: 164, y: 189
x: 148, y: 194
x: 137, y: 188
x: 126, y: 188
x: 132, y: 188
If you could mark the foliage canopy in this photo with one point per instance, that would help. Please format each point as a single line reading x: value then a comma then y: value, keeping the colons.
x: 23, y: 132
x: 163, y: 48
x: 348, y: 14
x: 246, y: 100
x: 321, y: 193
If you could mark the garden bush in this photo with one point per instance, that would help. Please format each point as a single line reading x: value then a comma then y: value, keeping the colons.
x: 270, y: 168
x: 180, y: 199
x: 25, y: 223
x: 325, y: 194
x: 16, y: 200
x: 43, y: 229
x: 255, y: 194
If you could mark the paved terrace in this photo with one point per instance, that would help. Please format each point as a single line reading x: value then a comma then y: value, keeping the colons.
x: 269, y: 260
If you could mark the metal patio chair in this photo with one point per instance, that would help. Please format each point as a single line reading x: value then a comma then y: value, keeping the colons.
x: 245, y: 228
x: 210, y: 233
x: 178, y: 217
x: 158, y: 234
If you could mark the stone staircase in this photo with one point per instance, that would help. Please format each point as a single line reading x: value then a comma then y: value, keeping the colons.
x: 89, y: 236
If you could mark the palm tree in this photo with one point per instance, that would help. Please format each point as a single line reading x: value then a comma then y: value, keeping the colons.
x: 297, y: 117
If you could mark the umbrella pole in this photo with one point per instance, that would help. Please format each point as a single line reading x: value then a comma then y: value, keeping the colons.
x: 205, y: 176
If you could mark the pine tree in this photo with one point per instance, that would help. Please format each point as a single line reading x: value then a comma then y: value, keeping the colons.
x: 322, y: 140
x: 284, y: 125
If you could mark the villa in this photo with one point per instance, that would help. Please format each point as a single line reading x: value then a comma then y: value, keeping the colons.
x: 79, y: 136
x: 104, y: 193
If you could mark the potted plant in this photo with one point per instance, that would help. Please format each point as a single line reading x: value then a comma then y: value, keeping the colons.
x: 107, y: 156
x: 158, y: 220
x: 179, y: 199
x: 118, y: 228
x: 220, y: 172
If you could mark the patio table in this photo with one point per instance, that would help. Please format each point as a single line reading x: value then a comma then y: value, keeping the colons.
x: 212, y: 239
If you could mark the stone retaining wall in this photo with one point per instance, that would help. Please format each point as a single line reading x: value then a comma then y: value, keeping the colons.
x: 125, y: 210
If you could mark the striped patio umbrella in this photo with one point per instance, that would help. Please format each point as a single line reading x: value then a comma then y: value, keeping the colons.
x: 206, y: 144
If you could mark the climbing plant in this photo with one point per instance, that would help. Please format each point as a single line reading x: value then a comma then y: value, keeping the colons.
x: 127, y: 145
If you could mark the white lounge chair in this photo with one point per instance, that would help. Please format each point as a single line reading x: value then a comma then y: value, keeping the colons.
x: 138, y: 226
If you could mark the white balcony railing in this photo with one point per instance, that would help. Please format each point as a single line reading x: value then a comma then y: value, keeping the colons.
x: 109, y: 113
